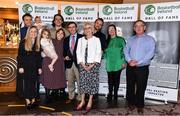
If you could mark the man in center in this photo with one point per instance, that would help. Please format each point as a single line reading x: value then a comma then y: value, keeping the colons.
x: 72, y: 74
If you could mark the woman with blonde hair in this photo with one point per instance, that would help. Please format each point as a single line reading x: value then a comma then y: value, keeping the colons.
x: 29, y: 65
x: 89, y: 58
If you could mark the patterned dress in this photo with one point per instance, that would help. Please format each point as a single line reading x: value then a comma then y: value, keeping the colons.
x: 89, y: 80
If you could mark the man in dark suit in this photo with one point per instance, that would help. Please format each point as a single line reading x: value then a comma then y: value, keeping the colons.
x: 27, y: 19
x: 72, y: 74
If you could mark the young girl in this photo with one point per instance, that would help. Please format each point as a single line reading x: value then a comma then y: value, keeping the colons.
x: 48, y: 48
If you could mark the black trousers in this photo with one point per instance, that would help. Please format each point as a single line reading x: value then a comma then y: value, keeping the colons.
x: 113, y: 82
x: 136, y: 85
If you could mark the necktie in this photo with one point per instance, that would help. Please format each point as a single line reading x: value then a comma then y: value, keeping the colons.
x: 72, y: 43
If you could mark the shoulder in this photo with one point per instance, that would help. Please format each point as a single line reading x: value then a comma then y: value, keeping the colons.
x: 150, y: 38
x: 96, y: 39
x: 66, y: 38
x: 121, y: 39
x: 79, y: 35
x: 131, y: 38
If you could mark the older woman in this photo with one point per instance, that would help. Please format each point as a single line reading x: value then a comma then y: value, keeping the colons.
x: 29, y: 65
x: 88, y: 58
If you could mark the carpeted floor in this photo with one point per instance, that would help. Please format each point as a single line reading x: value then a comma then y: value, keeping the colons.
x: 100, y: 107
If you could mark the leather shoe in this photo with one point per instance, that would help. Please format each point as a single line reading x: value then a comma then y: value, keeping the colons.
x: 140, y: 110
x: 131, y: 107
x: 34, y: 105
x: 29, y: 106
x: 109, y: 97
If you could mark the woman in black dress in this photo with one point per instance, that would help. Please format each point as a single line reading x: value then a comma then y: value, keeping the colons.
x: 29, y: 65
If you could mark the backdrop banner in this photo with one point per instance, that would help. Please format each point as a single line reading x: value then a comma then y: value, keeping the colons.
x: 45, y: 11
x: 160, y: 12
x: 118, y: 12
x: 80, y: 13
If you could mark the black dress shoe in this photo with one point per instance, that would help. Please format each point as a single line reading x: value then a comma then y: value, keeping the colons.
x: 109, y: 97
x: 140, y: 110
x: 29, y: 106
x: 115, y: 98
x: 34, y: 105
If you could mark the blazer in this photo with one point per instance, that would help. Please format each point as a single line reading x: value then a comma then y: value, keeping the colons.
x: 67, y: 51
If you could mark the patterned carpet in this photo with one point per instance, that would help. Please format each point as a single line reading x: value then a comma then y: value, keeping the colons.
x: 170, y: 109
x: 100, y: 107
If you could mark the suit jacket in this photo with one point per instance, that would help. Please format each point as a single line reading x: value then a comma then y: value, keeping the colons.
x: 67, y: 51
x: 23, y: 32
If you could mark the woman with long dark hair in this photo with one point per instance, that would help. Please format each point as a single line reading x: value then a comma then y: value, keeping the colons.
x: 115, y: 61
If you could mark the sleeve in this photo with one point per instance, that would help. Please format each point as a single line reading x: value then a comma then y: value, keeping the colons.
x: 44, y: 43
x: 127, y: 51
x: 21, y: 55
x: 122, y: 53
x: 104, y: 45
x: 39, y: 60
x: 98, y: 51
x: 79, y: 51
x: 65, y: 47
x: 149, y: 52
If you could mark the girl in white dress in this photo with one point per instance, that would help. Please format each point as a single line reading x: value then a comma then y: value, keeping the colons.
x: 48, y: 48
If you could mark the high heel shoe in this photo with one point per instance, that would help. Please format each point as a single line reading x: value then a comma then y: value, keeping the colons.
x: 78, y: 108
x: 88, y: 109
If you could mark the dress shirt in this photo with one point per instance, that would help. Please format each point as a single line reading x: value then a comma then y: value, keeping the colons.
x: 94, y: 50
x: 140, y: 48
x: 70, y: 39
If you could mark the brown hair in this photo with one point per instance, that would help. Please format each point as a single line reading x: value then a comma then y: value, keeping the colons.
x: 28, y: 40
x: 46, y: 30
x: 62, y: 31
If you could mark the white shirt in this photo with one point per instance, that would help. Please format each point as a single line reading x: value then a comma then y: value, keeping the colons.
x: 94, y: 50
x: 48, y: 48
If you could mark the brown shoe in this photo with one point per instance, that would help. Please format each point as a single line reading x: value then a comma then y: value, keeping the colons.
x: 140, y: 110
